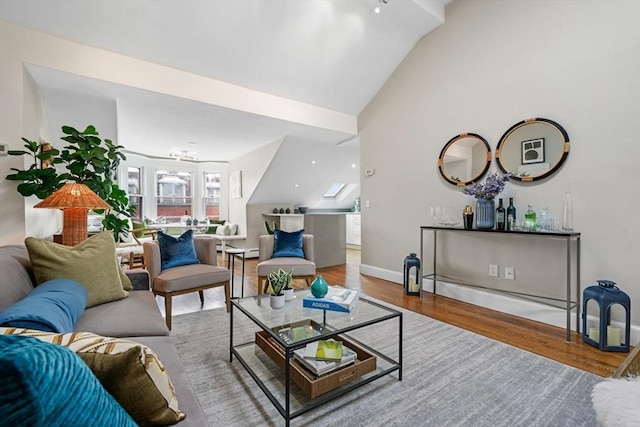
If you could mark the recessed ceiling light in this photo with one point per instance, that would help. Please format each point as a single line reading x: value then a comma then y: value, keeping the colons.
x: 353, y: 165
x: 313, y: 162
x: 296, y: 185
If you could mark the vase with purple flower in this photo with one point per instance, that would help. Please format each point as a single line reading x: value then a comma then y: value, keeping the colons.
x: 485, y: 193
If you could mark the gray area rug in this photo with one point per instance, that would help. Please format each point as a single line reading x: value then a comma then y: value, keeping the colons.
x: 451, y: 377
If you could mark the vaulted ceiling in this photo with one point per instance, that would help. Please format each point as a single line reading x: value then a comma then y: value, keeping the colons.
x: 335, y: 54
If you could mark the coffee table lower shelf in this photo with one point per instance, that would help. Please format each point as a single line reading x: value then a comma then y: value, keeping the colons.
x: 311, y: 385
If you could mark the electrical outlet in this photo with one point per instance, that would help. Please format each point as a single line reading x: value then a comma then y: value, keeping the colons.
x: 510, y: 273
x: 493, y: 270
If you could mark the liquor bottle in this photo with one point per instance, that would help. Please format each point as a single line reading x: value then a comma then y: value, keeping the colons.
x: 500, y: 217
x: 530, y: 221
x: 185, y: 219
x: 511, y: 215
x: 567, y: 222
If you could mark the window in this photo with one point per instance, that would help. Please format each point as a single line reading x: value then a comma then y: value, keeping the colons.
x: 334, y: 190
x: 173, y: 195
x: 212, y: 195
x: 134, y: 189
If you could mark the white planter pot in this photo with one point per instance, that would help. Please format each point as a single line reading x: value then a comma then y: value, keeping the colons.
x: 276, y: 301
x: 288, y: 294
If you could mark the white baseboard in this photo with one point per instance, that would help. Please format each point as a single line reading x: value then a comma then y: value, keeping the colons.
x: 495, y: 301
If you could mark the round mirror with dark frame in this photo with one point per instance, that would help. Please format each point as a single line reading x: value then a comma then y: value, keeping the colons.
x: 464, y: 159
x: 532, y: 149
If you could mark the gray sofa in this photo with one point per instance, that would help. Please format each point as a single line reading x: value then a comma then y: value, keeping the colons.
x: 136, y: 317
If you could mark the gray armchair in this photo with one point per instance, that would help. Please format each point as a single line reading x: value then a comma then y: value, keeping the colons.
x: 187, y: 278
x: 303, y: 268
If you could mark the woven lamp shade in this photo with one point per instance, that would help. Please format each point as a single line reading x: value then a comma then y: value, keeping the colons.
x: 75, y: 199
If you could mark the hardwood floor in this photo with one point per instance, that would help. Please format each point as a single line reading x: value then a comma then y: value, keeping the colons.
x: 535, y: 337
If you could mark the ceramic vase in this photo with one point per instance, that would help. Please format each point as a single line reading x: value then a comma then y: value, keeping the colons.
x: 485, y: 214
x: 319, y: 287
x: 288, y: 294
x: 276, y: 301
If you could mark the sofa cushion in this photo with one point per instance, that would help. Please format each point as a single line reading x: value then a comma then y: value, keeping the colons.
x: 175, y: 252
x: 54, y: 306
x: 134, y: 316
x: 44, y: 383
x: 129, y: 371
x: 92, y: 263
x: 16, y: 277
x: 223, y: 230
x: 287, y: 244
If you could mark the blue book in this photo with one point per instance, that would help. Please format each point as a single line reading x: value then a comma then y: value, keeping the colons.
x: 337, y: 299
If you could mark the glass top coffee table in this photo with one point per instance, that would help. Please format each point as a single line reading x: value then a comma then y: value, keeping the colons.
x: 271, y: 336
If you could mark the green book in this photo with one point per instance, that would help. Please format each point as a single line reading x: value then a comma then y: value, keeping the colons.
x: 324, y: 350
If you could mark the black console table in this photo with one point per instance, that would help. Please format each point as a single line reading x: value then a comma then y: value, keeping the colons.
x: 569, y: 237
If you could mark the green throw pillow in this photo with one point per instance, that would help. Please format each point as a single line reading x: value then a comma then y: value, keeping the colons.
x: 137, y: 225
x: 214, y: 224
x: 91, y: 263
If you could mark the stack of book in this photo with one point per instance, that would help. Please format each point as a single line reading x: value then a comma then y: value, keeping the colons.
x: 337, y: 299
x: 322, y: 357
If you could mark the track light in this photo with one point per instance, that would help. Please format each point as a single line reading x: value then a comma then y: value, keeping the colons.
x: 183, y: 155
x: 378, y: 8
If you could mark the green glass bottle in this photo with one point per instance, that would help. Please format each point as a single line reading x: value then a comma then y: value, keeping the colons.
x: 530, y: 222
x: 511, y: 215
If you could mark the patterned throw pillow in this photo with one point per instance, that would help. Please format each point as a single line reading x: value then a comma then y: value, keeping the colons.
x: 44, y: 384
x: 129, y: 371
x: 92, y: 263
x: 175, y: 252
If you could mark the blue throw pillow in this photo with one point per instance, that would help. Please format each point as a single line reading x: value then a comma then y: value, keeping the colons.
x: 287, y: 244
x: 46, y: 384
x: 177, y: 251
x: 53, y: 306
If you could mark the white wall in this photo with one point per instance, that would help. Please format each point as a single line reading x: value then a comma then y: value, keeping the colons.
x: 492, y: 64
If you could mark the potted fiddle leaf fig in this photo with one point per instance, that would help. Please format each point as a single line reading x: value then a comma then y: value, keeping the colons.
x: 86, y: 159
x: 278, y: 281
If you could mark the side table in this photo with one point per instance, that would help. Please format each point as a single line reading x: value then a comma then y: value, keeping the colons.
x: 231, y: 263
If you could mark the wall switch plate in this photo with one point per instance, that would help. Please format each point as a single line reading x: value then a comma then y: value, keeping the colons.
x: 367, y: 204
x: 4, y: 149
x: 510, y: 273
x: 493, y: 270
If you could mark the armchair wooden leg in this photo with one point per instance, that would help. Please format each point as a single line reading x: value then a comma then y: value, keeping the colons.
x: 201, y: 293
x: 227, y: 295
x: 262, y: 280
x: 167, y: 309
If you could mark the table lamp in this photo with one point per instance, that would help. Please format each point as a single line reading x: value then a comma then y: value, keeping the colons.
x: 75, y: 200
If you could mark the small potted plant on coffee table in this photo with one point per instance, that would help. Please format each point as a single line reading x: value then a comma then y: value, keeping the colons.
x: 278, y: 282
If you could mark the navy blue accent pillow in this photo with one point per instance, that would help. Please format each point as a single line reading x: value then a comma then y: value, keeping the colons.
x: 179, y: 251
x: 53, y: 306
x: 287, y: 244
x: 45, y: 384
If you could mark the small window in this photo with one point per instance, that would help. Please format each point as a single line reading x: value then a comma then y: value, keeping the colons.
x: 173, y: 197
x: 334, y: 190
x: 134, y: 186
x: 212, y: 195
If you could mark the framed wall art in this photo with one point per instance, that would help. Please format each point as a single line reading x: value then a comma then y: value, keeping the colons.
x: 235, y: 184
x: 533, y: 151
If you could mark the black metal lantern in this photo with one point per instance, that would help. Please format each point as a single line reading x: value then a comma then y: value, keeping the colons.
x: 412, y: 275
x: 602, y: 333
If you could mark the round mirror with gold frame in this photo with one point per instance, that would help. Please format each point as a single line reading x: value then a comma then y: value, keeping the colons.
x: 464, y: 159
x: 532, y: 149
